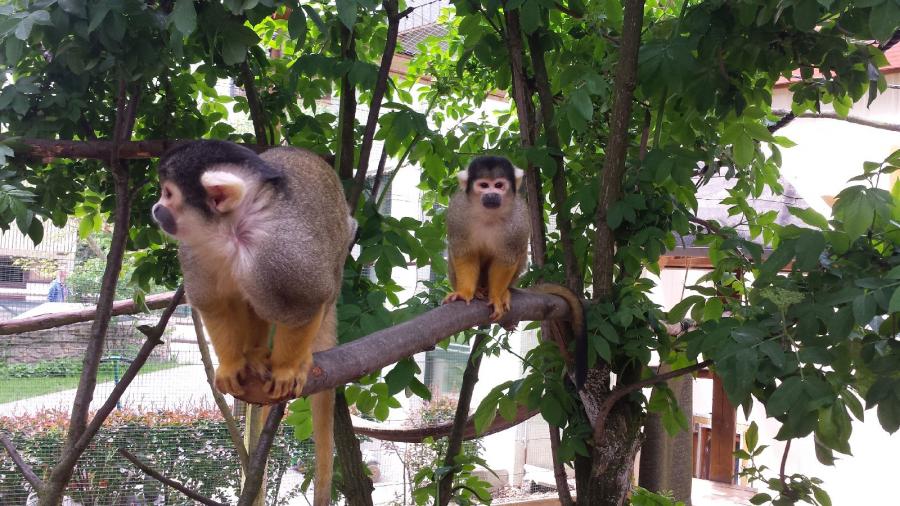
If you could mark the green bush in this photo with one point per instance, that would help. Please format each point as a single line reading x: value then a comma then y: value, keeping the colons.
x: 192, y: 447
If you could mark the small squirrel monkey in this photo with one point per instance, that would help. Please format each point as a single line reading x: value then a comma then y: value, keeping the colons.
x: 487, y: 240
x: 262, y: 243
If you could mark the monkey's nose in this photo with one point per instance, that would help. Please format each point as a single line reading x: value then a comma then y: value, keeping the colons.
x: 491, y: 200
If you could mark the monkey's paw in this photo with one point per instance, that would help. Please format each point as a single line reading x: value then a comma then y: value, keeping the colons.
x: 287, y: 382
x: 257, y: 362
x: 500, y: 305
x: 455, y: 296
x: 230, y: 377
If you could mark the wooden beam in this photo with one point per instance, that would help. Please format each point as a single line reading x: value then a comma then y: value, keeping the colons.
x: 721, y: 454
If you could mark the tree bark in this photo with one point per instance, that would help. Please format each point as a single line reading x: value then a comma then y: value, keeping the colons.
x: 355, y: 484
x: 347, y: 112
x: 455, y: 441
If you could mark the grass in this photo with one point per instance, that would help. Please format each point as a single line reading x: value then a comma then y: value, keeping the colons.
x: 14, y: 386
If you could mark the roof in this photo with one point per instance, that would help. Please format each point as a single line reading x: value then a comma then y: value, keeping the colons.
x: 710, y: 207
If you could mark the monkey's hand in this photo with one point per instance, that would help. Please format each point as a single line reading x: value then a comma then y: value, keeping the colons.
x: 500, y: 305
x: 455, y: 296
x: 230, y: 377
x: 287, y: 382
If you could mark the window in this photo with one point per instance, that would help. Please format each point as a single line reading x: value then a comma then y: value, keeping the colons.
x: 11, y: 276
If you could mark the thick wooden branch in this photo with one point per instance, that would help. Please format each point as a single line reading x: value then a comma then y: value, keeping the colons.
x: 418, y: 434
x: 893, y: 127
x: 20, y: 463
x: 53, y: 320
x: 257, y: 113
x: 257, y: 469
x: 350, y: 361
x: 156, y: 475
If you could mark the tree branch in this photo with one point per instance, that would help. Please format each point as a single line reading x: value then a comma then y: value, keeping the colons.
x: 260, y: 456
x: 349, y: 361
x: 53, y: 320
x: 20, y: 463
x: 454, y: 442
x: 257, y: 113
x: 236, y: 438
x: 355, y: 483
x: 126, y: 109
x: 156, y: 475
x: 574, y: 279
x: 621, y: 391
x: 893, y: 127
x: 617, y: 147
x: 365, y: 150
x: 418, y: 434
x: 559, y: 470
x: 347, y: 112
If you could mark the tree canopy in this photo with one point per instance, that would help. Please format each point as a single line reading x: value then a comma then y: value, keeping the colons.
x: 618, y: 110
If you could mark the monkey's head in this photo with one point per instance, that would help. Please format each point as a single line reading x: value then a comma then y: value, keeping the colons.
x: 490, y: 180
x: 206, y: 182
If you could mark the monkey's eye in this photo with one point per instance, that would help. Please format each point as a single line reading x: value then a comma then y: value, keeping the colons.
x: 498, y: 185
x: 167, y: 193
x: 483, y: 184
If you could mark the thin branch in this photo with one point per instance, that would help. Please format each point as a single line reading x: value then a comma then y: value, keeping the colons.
x: 347, y: 112
x: 53, y: 320
x: 236, y: 438
x: 156, y: 475
x: 454, y: 442
x: 257, y: 113
x: 621, y: 391
x: 254, y: 475
x: 893, y: 127
x: 419, y: 434
x: 20, y: 463
x: 381, y: 81
x: 154, y: 338
x: 784, y: 486
x: 782, y: 122
x: 559, y: 470
x: 74, y: 446
x: 355, y: 484
x: 574, y: 277
x: 617, y: 147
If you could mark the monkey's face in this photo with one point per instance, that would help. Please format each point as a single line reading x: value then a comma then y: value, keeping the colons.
x: 491, y: 191
x: 221, y: 193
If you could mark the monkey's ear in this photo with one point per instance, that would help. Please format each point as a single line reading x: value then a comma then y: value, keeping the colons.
x: 224, y: 189
x: 519, y: 174
x: 463, y: 178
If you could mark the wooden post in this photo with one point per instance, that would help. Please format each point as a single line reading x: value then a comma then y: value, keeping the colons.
x: 256, y: 418
x: 721, y: 454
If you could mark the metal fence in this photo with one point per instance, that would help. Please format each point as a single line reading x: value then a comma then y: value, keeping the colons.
x: 167, y: 416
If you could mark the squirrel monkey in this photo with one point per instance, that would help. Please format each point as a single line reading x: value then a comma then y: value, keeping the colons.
x: 262, y: 243
x: 487, y: 240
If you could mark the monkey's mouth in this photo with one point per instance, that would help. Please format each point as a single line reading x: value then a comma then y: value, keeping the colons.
x: 491, y: 201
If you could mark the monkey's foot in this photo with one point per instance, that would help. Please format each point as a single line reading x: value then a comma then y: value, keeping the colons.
x: 455, y: 296
x: 287, y: 382
x: 481, y: 294
x: 230, y: 377
x: 257, y: 362
x: 500, y: 305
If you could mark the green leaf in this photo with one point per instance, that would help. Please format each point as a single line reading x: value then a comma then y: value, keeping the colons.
x: 73, y: 7
x: 418, y: 388
x: 485, y: 413
x: 679, y: 310
x: 508, y: 408
x: 347, y: 12
x: 743, y: 150
x: 36, y: 231
x: 806, y: 14
x: 233, y: 51
x: 785, y: 396
x: 821, y: 496
x: 582, y: 102
x: 751, y: 436
x: 552, y: 411
x: 810, y: 216
x: 23, y: 30
x: 601, y: 346
x: 530, y: 16
x: 297, y: 26
x: 883, y: 20
x: 713, y: 309
x: 185, y: 16
x: 760, y: 498
x: 399, y: 377
x: 855, y: 210
x: 894, y: 304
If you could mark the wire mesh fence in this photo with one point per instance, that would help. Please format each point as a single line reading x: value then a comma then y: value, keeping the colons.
x: 167, y: 416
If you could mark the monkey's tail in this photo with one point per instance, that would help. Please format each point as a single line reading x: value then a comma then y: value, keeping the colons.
x: 579, y: 327
x: 322, y: 405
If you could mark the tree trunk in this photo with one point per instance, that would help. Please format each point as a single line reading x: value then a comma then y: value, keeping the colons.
x: 605, y: 479
x: 355, y: 484
x: 666, y: 461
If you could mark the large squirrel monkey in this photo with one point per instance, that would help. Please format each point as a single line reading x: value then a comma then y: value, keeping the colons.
x: 487, y: 240
x: 262, y: 243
